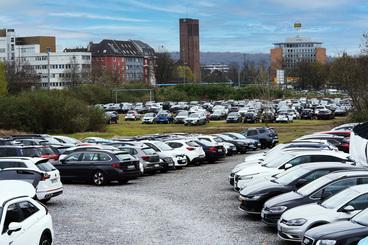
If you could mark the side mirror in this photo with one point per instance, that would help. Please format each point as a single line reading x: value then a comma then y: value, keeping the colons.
x: 301, y: 182
x: 326, y: 194
x: 288, y: 165
x: 348, y: 209
x: 14, y: 227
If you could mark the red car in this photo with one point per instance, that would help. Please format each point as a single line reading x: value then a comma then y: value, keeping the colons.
x: 345, y: 144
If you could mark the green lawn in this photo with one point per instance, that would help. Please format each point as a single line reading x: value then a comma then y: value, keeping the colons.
x: 286, y: 132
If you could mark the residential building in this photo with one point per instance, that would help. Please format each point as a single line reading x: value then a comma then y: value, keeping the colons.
x: 286, y: 55
x: 7, y: 44
x: 189, y: 45
x: 125, y: 60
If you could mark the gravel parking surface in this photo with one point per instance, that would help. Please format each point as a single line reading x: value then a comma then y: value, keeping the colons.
x: 194, y: 205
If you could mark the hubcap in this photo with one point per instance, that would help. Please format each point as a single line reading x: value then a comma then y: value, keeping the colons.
x: 98, y: 178
x: 45, y: 242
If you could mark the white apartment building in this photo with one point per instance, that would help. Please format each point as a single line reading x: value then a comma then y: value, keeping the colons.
x: 63, y: 65
x: 7, y: 44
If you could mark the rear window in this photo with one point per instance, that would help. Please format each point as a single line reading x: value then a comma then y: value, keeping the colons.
x: 194, y: 144
x: 12, y: 165
x: 45, y: 166
x: 8, y: 152
x: 149, y: 151
x: 30, y: 152
x: 124, y: 157
x: 46, y: 151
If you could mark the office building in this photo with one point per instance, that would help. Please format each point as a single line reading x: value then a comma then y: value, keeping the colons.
x: 286, y: 55
x: 46, y: 43
x: 7, y: 45
x: 189, y: 45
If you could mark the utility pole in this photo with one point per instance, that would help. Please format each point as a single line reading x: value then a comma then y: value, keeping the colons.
x: 48, y: 69
x: 239, y: 76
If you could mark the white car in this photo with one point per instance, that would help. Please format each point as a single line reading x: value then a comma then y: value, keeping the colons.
x: 284, y: 117
x: 198, y: 118
x: 286, y: 160
x: 132, y: 116
x: 193, y: 152
x: 171, y: 156
x: 23, y: 220
x: 149, y: 118
x: 342, y: 206
x: 49, y: 184
x: 181, y: 117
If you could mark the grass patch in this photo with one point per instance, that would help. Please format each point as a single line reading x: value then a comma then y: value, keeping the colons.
x: 287, y: 132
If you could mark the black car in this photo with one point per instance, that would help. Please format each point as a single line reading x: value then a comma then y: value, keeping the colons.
x: 325, y: 114
x: 241, y: 145
x: 348, y: 232
x: 252, y: 143
x: 213, y: 151
x: 266, y: 136
x: 99, y: 167
x: 307, y: 114
x: 313, y: 192
x: 250, y: 117
x: 111, y: 117
x: 252, y: 198
x: 233, y: 117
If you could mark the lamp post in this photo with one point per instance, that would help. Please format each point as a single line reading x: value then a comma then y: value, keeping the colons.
x: 48, y: 69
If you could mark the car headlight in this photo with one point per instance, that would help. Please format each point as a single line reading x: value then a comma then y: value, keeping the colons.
x: 326, y: 242
x: 277, y: 209
x: 296, y: 222
x: 255, y: 197
x: 247, y: 177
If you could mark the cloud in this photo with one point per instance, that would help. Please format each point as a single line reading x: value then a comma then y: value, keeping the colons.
x: 310, y: 4
x: 169, y: 9
x: 95, y: 16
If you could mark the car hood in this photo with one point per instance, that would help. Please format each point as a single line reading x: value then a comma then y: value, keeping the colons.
x: 266, y: 186
x: 282, y: 199
x: 255, y: 169
x: 310, y: 212
x: 242, y: 166
x: 331, y: 231
x: 255, y: 157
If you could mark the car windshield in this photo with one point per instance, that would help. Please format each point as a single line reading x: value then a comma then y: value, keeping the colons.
x: 51, y: 140
x: 46, y: 151
x: 149, y: 115
x: 361, y: 218
x: 149, y: 151
x: 218, y: 139
x: 289, y: 176
x: 183, y: 114
x: 162, y: 146
x: 216, y: 113
x: 239, y: 136
x: 277, y: 161
x: 233, y: 114
x: 314, y: 185
x: 45, y: 166
x: 124, y: 157
x: 225, y: 137
x: 194, y: 115
x: 339, y: 199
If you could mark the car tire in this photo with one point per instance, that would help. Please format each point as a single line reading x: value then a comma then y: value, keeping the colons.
x: 98, y: 178
x: 45, y: 239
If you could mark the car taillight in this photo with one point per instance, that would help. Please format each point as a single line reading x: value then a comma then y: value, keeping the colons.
x: 45, y: 176
x: 190, y: 148
x: 213, y: 149
x: 116, y: 165
x: 146, y: 158
x: 46, y: 156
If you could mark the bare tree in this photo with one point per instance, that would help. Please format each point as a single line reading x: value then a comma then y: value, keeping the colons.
x: 21, y: 76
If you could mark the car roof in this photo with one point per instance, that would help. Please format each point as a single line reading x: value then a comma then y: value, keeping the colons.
x: 323, y: 165
x: 347, y: 173
x: 33, y: 160
x: 103, y: 151
x: 324, y: 152
x: 360, y: 188
x: 10, y: 189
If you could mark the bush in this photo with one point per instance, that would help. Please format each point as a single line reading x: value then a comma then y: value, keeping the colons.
x: 48, y: 112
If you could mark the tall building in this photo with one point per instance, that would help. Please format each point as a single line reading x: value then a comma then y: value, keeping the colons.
x: 7, y: 44
x: 286, y: 55
x: 47, y: 43
x: 125, y: 60
x: 189, y: 45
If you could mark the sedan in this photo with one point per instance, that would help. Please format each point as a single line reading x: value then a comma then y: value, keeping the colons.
x: 99, y: 167
x: 342, y: 206
x: 213, y: 151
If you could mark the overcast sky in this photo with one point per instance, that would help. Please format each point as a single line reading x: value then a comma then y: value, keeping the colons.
x: 225, y: 25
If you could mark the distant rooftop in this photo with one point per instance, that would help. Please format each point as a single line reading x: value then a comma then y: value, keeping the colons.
x: 298, y: 39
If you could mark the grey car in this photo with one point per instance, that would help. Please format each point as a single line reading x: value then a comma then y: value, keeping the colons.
x: 149, y: 161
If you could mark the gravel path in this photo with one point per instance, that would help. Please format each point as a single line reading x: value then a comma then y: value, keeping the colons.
x: 194, y: 205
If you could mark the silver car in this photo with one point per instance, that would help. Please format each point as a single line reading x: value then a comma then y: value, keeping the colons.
x: 342, y: 206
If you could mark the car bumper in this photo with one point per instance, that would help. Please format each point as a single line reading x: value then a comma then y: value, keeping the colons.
x: 181, y: 162
x: 290, y: 233
x: 151, y: 166
x: 41, y: 195
x: 269, y: 218
x: 250, y: 207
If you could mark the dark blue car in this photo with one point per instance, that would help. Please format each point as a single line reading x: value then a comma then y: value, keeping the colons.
x: 164, y: 117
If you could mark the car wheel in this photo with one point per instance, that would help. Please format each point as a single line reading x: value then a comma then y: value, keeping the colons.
x: 98, y: 178
x: 45, y: 239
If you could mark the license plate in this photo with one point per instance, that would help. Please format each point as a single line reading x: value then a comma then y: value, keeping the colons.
x: 54, y: 180
x: 131, y: 167
x: 157, y: 165
x: 220, y: 150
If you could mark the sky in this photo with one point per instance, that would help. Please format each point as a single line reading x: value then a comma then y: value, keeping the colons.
x: 250, y: 26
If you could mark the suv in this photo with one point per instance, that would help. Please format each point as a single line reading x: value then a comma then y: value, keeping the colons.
x: 49, y: 184
x: 24, y: 220
x: 19, y: 151
x: 267, y: 137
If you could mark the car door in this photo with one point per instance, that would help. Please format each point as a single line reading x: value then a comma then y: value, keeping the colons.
x: 333, y: 188
x: 23, y: 212
x: 297, y: 161
x: 69, y: 166
x: 87, y: 164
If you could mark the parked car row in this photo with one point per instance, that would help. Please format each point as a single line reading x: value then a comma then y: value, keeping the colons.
x: 246, y: 111
x: 309, y: 189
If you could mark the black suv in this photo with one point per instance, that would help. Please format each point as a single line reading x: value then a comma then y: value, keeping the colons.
x: 267, y: 137
x: 19, y: 151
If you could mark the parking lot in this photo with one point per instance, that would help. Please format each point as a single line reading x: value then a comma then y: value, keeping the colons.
x: 191, y: 206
